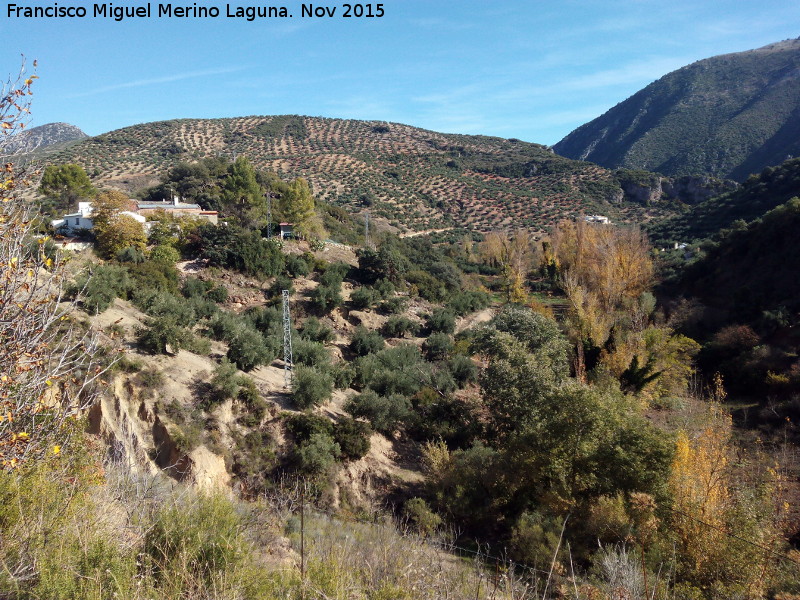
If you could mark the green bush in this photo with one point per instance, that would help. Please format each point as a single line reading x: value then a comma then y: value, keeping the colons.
x: 398, y: 326
x: 224, y: 326
x: 386, y: 414
x: 463, y: 369
x: 248, y: 349
x: 311, y: 387
x: 394, y: 305
x: 365, y: 341
x: 343, y: 375
x: 325, y: 298
x: 165, y: 254
x: 161, y: 332
x: 310, y: 354
x: 317, y: 455
x: 161, y: 304
x: 104, y: 284
x: 254, y: 457
x: 441, y: 320
x: 464, y: 303
x: 305, y: 424
x: 438, y: 346
x: 316, y: 331
x: 363, y: 298
x: 420, y: 516
x: 352, y: 437
x: 296, y: 266
x: 201, y: 538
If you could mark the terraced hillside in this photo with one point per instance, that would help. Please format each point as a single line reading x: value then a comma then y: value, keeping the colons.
x: 415, y: 179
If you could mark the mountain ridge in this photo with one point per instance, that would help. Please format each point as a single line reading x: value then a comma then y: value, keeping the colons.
x: 728, y: 116
x: 43, y: 137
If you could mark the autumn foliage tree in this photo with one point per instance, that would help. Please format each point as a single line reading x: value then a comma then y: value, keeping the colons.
x: 603, y: 270
x: 47, y: 363
x: 513, y: 255
x: 114, y: 230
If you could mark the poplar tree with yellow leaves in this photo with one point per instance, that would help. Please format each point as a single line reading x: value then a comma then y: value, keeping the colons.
x: 47, y: 362
x: 727, y: 527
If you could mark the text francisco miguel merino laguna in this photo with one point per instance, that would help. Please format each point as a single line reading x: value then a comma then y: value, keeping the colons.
x: 118, y: 13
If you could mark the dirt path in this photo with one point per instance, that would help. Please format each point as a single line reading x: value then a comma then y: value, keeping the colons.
x: 424, y: 232
x: 482, y: 316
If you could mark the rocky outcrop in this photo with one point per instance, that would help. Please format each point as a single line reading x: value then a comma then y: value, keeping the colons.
x: 43, y: 136
x: 696, y: 189
x: 689, y: 189
x: 142, y: 441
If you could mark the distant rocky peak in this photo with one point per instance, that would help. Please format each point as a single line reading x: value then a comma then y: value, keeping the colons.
x: 42, y: 136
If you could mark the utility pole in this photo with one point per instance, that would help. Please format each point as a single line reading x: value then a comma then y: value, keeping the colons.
x: 288, y: 363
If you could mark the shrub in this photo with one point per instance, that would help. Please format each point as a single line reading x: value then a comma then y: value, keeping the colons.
x: 311, y: 387
x: 463, y: 303
x: 166, y: 306
x: 105, y: 283
x: 394, y: 306
x: 421, y: 517
x: 130, y: 255
x: 296, y: 266
x: 310, y: 354
x: 224, y: 326
x: 201, y: 539
x: 281, y: 283
x: 218, y: 294
x: 463, y: 369
x: 363, y: 298
x: 151, y: 379
x: 254, y: 457
x: 398, y: 326
x: 386, y: 414
x: 151, y: 275
x: 303, y: 425
x: 384, y: 288
x: 441, y: 320
x: 334, y: 274
x: 428, y: 286
x: 352, y: 437
x: 365, y: 341
x: 248, y: 350
x: 317, y: 455
x: 314, y: 330
x: 438, y: 346
x: 161, y: 333
x: 165, y: 254
x: 343, y: 375
x: 325, y: 298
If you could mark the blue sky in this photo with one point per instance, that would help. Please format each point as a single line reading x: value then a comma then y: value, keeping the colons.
x: 532, y: 69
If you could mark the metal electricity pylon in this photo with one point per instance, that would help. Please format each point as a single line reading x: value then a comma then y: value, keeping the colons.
x: 288, y: 362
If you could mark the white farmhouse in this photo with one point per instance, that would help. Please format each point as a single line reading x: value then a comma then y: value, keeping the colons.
x: 82, y: 220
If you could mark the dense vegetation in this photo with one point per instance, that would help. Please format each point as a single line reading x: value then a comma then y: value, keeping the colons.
x: 727, y: 116
x: 758, y: 194
x: 589, y: 446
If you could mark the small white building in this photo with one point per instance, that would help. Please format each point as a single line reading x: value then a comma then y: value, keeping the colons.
x: 597, y: 219
x: 287, y: 231
x: 82, y: 220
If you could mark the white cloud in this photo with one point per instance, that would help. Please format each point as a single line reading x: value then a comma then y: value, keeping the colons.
x: 156, y: 81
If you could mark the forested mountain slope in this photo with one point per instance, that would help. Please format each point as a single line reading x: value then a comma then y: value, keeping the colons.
x: 759, y: 194
x: 727, y: 116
